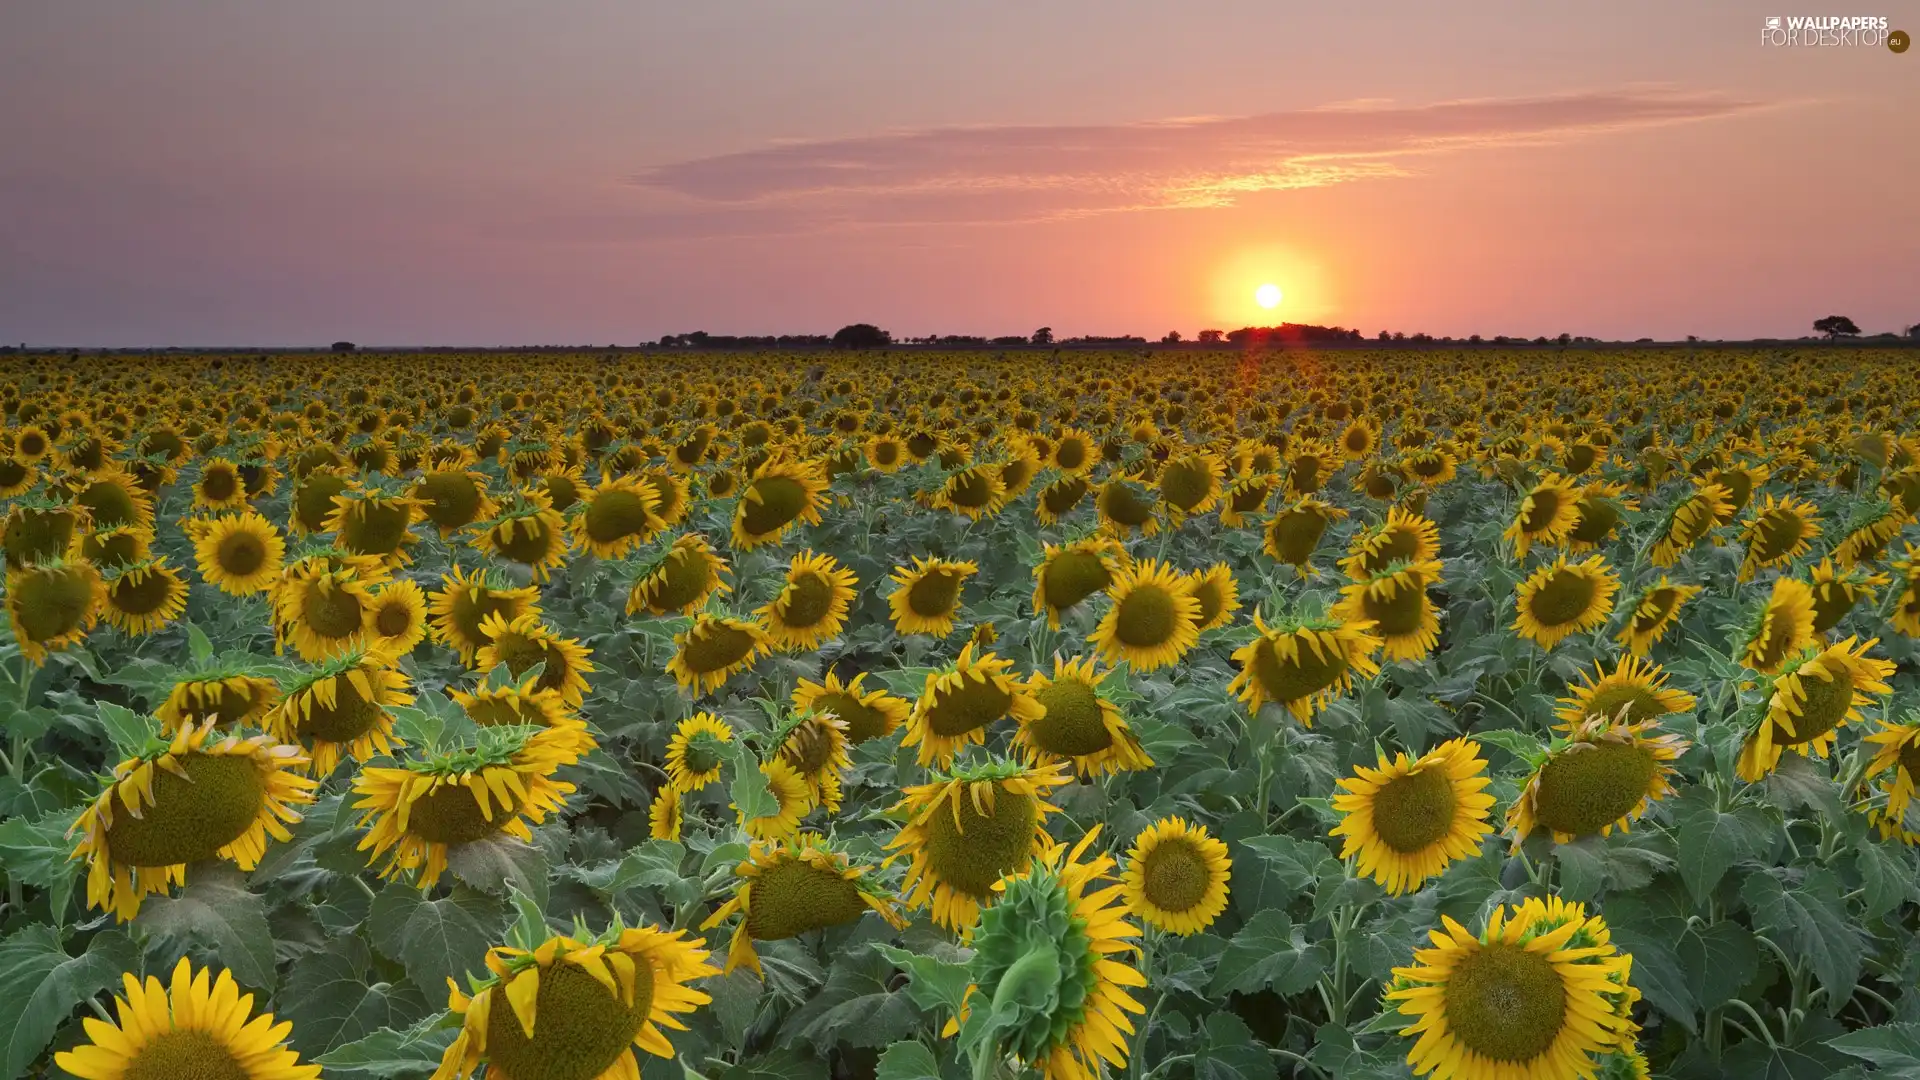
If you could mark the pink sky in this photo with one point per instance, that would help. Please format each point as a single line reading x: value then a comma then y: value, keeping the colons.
x: 492, y: 172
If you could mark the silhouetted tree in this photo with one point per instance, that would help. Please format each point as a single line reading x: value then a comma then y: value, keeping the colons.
x: 344, y: 346
x: 1043, y: 336
x: 1835, y: 326
x: 861, y: 336
x: 1211, y: 337
x: 1172, y: 338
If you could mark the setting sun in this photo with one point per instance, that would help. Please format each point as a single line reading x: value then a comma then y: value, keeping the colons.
x: 1267, y: 296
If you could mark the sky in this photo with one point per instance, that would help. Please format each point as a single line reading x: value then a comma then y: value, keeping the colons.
x: 284, y: 173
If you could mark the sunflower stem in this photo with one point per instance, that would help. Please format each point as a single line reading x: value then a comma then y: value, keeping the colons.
x: 1149, y: 937
x: 1291, y: 1056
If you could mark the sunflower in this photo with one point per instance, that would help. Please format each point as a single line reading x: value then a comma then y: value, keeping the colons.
x: 1406, y: 820
x: 1836, y: 592
x: 868, y: 714
x: 525, y: 703
x: 1783, y: 627
x: 812, y: 604
x: 680, y: 581
x: 525, y: 641
x: 1079, y: 725
x: 1906, y: 611
x: 1074, y: 452
x: 1395, y: 601
x: 1303, y: 666
x: 114, y: 496
x: 1295, y: 532
x: 415, y: 812
x: 1816, y: 693
x: 1895, y: 768
x: 1868, y: 541
x: 666, y: 816
x: 713, y: 649
x: 1245, y: 497
x: 122, y: 545
x: 1601, y: 506
x: 142, y: 598
x: 974, y: 492
x: 397, y: 618
x: 464, y: 603
x: 885, y: 453
x: 966, y: 830
x: 815, y: 746
x: 1050, y: 944
x: 617, y: 517
x: 1562, y: 599
x: 1606, y: 775
x: 927, y: 597
x: 323, y: 605
x: 240, y: 554
x: 52, y: 605
x: 226, y: 700
x: 565, y: 1009
x: 219, y: 486
x: 452, y: 497
x: 1541, y: 992
x: 697, y: 751
x: 1403, y: 536
x: 1070, y: 573
x: 1219, y: 597
x: 961, y: 700
x: 1059, y: 498
x: 194, y: 1025
x: 38, y: 532
x: 532, y: 534
x: 1709, y: 507
x: 339, y: 710
x: 311, y: 504
x: 1154, y: 620
x: 1125, y: 507
x: 1778, y: 533
x: 789, y: 887
x: 1633, y: 691
x: 780, y: 495
x: 1658, y: 608
x: 1190, y: 484
x: 1176, y: 877
x: 186, y: 801
x: 792, y: 799
x: 1547, y: 514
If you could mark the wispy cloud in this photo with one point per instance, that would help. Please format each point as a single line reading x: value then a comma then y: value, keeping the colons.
x: 1036, y: 173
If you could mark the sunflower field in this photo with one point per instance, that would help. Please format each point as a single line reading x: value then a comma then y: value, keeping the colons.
x: 1482, y: 715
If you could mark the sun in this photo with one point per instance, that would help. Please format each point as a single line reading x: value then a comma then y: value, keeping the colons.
x: 1267, y: 296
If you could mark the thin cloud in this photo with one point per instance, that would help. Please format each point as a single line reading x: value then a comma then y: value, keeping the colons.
x: 994, y: 174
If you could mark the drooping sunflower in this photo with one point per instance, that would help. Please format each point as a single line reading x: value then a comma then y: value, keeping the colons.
x: 1408, y: 819
x: 974, y: 492
x: 1190, y: 484
x: 966, y: 830
x: 1402, y: 537
x: 1783, y: 627
x: 789, y: 887
x: 397, y: 618
x: 1547, y: 514
x: 713, y: 649
x: 1295, y: 532
x: 1709, y: 507
x: 1837, y: 592
x: 418, y: 810
x: 1895, y: 771
x: 374, y: 522
x: 195, y: 1025
x: 339, y: 710
x: 1059, y: 498
x: 815, y: 746
x: 868, y: 714
x: 926, y: 599
x: 52, y: 605
x: 1561, y: 599
x: 1176, y: 877
x: 616, y: 517
x: 1633, y: 691
x: 1154, y: 619
x: 781, y: 495
x: 959, y: 702
x: 530, y: 532
x: 120, y: 545
x: 565, y: 1009
x: 525, y: 641
x: 1541, y: 992
x: 465, y: 601
x: 312, y: 501
x: 1816, y: 693
x: 1654, y: 614
x: 697, y: 751
x: 1079, y: 725
x: 792, y: 800
x: 1219, y: 597
x: 1247, y: 496
x: 1302, y: 665
x: 1607, y: 773
x: 526, y: 703
x: 219, y: 486
x: 240, y: 554
x: 113, y: 496
x: 1906, y: 607
x: 1780, y: 531
x: 35, y: 532
x: 452, y: 497
x: 321, y: 604
x: 191, y: 799
x: 1070, y: 573
x: 1125, y: 507
x: 228, y: 700
x: 1054, y: 941
x: 142, y: 598
x: 812, y: 605
x: 1598, y: 513
x: 1395, y: 601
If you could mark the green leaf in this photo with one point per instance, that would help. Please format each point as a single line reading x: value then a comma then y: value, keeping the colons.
x: 1886, y: 876
x: 1810, y: 919
x: 499, y: 863
x: 199, y: 648
x: 127, y: 730
x: 215, y: 912
x: 1226, y: 1050
x: 1269, y: 952
x: 907, y: 1061
x: 37, y: 853
x: 332, y: 1000
x: 752, y: 795
x: 40, y: 983
x: 1274, y: 871
x: 1711, y: 840
x: 934, y: 984
x: 1524, y: 748
x: 1893, y: 1048
x: 435, y: 940
x: 389, y: 1052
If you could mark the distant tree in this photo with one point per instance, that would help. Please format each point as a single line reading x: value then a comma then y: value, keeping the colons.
x: 1474, y: 338
x: 1565, y: 339
x: 1172, y: 338
x: 344, y: 346
x: 861, y: 336
x: 1914, y: 331
x: 1211, y: 337
x: 1835, y: 326
x: 1399, y: 335
x: 1384, y: 336
x: 1043, y: 336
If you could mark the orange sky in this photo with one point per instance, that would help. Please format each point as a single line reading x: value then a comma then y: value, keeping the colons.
x: 494, y: 172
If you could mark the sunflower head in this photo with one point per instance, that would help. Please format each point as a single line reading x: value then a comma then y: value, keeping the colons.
x: 322, y: 605
x: 926, y: 597
x: 1780, y: 531
x: 791, y: 886
x: 1218, y: 595
x: 467, y: 600
x: 698, y: 751
x: 1403, y: 537
x: 1781, y: 628
x: 1079, y: 724
x: 1633, y: 691
x: 340, y: 709
x: 812, y: 605
x: 1395, y: 601
x: 196, y: 1024
x: 1564, y: 598
x: 227, y: 698
x: 1060, y: 497
x: 1176, y: 877
x: 1605, y: 775
x: 525, y: 641
x: 1153, y: 621
x: 143, y: 597
x: 961, y: 700
x: 1547, y: 514
x: 1126, y: 507
x: 1598, y: 515
x: 780, y: 495
x: 713, y: 649
x: 1814, y: 694
x: 240, y: 554
x: 34, y: 531
x: 1301, y: 665
x: 1070, y: 573
x: 680, y: 580
x: 1837, y: 591
x: 1706, y: 509
x: 530, y: 533
x: 1295, y: 532
x: 617, y: 517
x: 1895, y: 772
x: 966, y: 830
x: 868, y: 714
x: 1407, y: 819
x: 452, y: 497
x: 52, y: 605
x: 1655, y: 613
